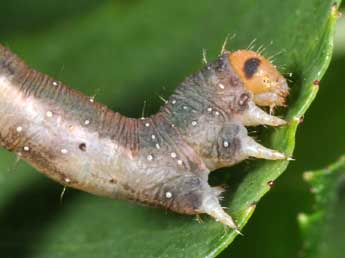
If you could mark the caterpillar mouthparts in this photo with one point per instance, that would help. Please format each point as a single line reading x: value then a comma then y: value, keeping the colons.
x: 161, y: 160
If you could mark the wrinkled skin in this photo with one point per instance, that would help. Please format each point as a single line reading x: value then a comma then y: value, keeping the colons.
x: 162, y: 160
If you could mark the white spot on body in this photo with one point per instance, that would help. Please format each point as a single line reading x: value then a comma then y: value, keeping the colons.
x: 179, y: 162
x: 49, y: 114
x: 153, y: 137
x: 147, y: 124
x: 92, y: 99
x: 168, y: 195
x: 55, y: 83
x: 221, y: 86
x: 67, y: 180
x: 173, y: 102
x: 19, y: 129
x: 157, y: 146
x: 226, y: 144
x: 209, y: 109
x: 173, y: 155
x: 217, y: 113
x: 194, y: 123
x: 87, y: 122
x: 242, y: 101
x: 185, y: 107
x: 64, y: 151
x: 26, y: 148
x: 149, y: 157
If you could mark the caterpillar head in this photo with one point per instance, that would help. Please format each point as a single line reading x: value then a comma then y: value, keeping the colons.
x: 260, y: 77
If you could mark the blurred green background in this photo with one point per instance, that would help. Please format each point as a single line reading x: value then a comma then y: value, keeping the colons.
x: 39, y: 24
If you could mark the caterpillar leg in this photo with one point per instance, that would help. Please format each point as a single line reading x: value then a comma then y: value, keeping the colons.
x: 251, y: 148
x: 212, y: 207
x: 256, y: 116
x: 191, y: 194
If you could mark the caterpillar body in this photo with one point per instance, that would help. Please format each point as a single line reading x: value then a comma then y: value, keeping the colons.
x: 161, y: 160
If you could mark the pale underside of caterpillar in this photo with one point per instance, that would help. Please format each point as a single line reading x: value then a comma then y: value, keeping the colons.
x: 161, y: 160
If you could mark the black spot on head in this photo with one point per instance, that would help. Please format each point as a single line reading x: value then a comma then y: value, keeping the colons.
x: 82, y: 147
x: 251, y: 66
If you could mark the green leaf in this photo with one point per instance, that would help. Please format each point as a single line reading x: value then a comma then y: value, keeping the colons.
x: 131, y: 52
x: 319, y: 141
x: 323, y: 230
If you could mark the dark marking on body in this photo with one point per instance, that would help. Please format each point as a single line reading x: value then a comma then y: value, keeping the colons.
x: 243, y: 101
x: 82, y: 146
x: 113, y: 181
x: 251, y: 66
x: 193, y: 200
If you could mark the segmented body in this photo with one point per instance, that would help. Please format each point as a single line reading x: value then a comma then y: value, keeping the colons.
x: 162, y: 160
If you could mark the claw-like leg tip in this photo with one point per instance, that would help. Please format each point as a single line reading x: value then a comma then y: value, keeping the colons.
x: 252, y: 149
x: 212, y: 207
x: 256, y: 116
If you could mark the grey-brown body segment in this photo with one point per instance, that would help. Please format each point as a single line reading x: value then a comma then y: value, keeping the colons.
x: 162, y: 160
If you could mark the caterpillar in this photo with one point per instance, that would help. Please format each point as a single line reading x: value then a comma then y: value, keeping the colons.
x: 161, y: 160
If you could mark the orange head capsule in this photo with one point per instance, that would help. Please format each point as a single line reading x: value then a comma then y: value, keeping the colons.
x: 260, y: 77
